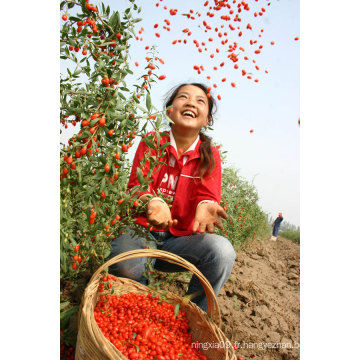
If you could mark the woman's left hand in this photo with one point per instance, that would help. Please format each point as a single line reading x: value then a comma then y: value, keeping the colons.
x: 207, y: 216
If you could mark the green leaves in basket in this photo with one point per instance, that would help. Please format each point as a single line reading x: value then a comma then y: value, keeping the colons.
x: 176, y: 310
x: 188, y: 298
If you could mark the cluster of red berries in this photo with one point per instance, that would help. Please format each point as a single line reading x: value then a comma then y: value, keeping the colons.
x: 77, y: 257
x: 66, y: 352
x: 142, y: 327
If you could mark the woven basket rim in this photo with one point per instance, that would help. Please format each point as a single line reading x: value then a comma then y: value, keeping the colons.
x: 92, y: 344
x: 213, y: 305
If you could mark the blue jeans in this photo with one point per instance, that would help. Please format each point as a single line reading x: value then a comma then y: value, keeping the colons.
x: 213, y: 255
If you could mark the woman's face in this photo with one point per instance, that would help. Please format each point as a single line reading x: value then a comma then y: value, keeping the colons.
x: 190, y: 108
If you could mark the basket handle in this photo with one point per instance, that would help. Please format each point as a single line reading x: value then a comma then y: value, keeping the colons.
x: 213, y: 305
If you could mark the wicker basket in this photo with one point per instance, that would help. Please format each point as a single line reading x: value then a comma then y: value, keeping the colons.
x: 205, y: 328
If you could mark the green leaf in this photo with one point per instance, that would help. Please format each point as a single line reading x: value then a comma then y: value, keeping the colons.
x: 106, y: 253
x: 102, y: 185
x: 102, y: 159
x: 114, y: 20
x: 134, y: 335
x: 64, y: 315
x: 89, y: 192
x: 98, y: 176
x: 93, y: 122
x: 74, y: 18
x: 87, y: 212
x: 176, y: 310
x: 71, y: 42
x: 158, y: 121
x: 122, y: 96
x: 168, y: 119
x: 137, y: 20
x: 148, y: 102
x: 79, y: 174
x: 141, y: 108
x: 163, y: 146
x: 64, y: 305
x: 140, y: 175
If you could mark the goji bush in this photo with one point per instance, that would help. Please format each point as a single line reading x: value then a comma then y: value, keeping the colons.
x: 246, y: 220
x: 108, y: 115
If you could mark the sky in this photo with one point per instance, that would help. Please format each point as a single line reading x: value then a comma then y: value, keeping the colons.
x: 269, y: 156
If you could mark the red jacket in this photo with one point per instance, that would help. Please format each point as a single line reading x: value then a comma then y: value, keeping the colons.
x: 179, y: 182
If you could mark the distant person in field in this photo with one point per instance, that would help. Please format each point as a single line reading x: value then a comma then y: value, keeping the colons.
x: 276, y: 226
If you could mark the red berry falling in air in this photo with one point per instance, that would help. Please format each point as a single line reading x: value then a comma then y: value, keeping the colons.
x: 162, y: 77
x: 251, y: 131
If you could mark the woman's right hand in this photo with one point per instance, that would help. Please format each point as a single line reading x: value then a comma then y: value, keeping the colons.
x: 159, y: 215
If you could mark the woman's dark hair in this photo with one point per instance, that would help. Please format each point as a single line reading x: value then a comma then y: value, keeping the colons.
x: 207, y: 161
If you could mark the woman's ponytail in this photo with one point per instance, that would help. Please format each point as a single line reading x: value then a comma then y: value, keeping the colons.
x: 207, y: 161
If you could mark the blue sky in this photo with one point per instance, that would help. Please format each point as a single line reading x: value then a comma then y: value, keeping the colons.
x: 268, y: 157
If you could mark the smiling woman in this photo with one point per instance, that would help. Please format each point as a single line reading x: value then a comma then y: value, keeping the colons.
x: 190, y: 182
x: 193, y: 101
x: 190, y: 112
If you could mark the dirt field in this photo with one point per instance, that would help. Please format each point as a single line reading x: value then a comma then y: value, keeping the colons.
x: 260, y: 303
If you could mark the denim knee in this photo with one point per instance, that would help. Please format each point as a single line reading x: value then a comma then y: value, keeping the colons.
x: 221, y: 248
x: 131, y: 268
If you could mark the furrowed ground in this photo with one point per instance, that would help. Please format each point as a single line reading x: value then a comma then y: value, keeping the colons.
x: 260, y: 303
